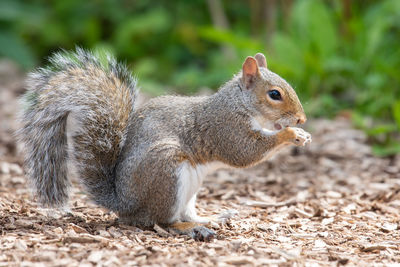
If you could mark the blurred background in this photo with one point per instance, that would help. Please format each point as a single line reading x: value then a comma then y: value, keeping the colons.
x: 342, y: 57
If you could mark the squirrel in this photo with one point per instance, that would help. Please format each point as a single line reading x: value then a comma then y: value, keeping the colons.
x: 147, y: 164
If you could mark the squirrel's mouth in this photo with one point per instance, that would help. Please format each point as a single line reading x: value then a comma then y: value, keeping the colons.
x: 277, y: 126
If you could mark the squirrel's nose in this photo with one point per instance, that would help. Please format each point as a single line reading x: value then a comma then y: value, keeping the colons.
x: 301, y: 119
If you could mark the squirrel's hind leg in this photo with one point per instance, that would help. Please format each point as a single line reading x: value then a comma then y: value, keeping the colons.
x: 186, y: 221
x: 193, y: 225
x: 190, y: 214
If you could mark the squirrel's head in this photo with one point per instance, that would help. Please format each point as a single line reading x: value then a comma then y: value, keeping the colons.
x: 275, y: 101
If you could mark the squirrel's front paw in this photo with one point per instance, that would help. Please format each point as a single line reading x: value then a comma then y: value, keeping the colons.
x: 301, y: 137
x: 295, y: 135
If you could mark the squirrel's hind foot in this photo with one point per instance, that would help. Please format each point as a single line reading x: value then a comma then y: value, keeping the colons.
x: 201, y: 233
x: 193, y: 230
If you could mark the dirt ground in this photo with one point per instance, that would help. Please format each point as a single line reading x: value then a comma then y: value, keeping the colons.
x: 330, y: 203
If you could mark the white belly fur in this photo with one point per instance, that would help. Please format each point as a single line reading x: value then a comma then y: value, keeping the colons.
x: 190, y: 179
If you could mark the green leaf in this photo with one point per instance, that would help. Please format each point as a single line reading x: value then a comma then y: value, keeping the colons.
x: 381, y: 129
x: 396, y: 112
x: 13, y: 47
x: 358, y: 120
x: 10, y: 10
x: 387, y: 150
x: 228, y: 37
x: 314, y: 26
x: 146, y: 25
x: 288, y: 56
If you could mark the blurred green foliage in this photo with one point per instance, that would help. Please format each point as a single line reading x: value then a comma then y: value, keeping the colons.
x: 339, y: 55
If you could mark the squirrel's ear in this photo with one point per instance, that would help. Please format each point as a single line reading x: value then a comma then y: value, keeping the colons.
x: 250, y: 72
x: 262, y: 62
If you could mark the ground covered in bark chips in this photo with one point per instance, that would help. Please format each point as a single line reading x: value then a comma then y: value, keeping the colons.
x: 330, y: 203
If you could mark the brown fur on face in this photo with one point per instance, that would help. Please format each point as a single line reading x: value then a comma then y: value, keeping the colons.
x: 288, y: 111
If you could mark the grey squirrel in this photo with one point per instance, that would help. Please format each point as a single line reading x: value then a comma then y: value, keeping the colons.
x: 147, y: 164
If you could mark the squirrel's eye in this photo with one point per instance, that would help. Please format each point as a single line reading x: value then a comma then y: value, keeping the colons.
x: 275, y: 95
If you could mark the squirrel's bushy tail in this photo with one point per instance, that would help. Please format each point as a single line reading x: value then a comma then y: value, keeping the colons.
x: 99, y: 96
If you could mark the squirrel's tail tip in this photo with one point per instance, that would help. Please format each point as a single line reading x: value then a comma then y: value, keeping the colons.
x: 44, y: 144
